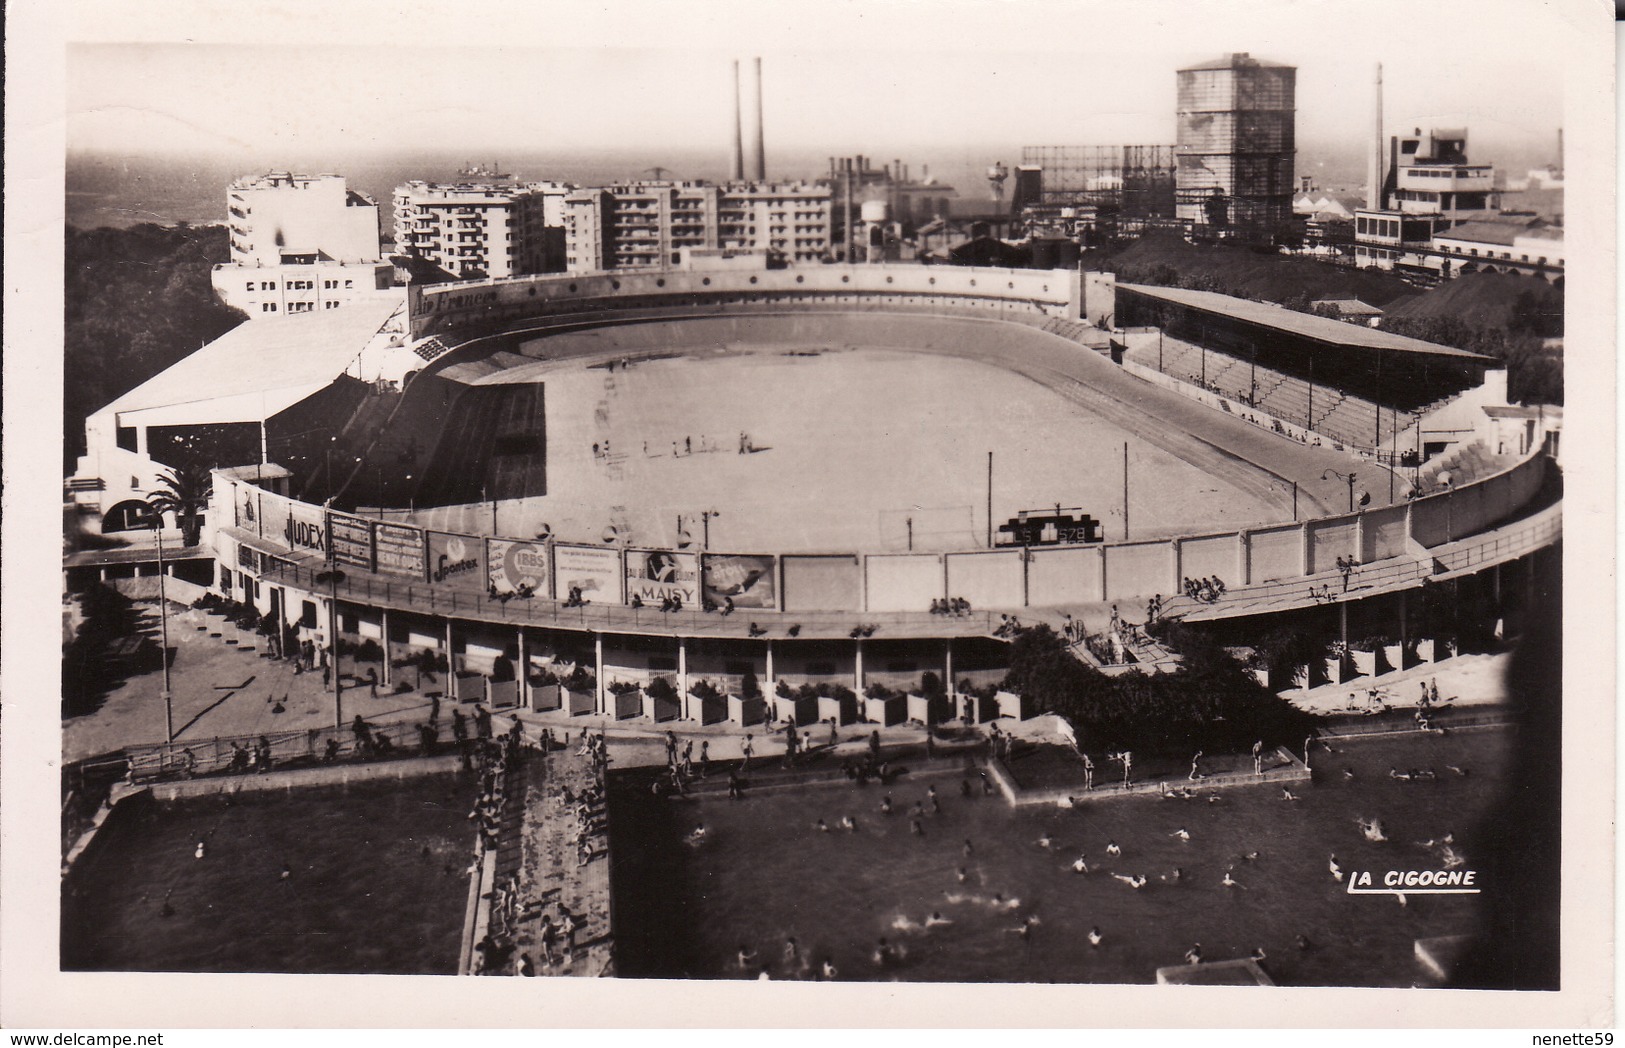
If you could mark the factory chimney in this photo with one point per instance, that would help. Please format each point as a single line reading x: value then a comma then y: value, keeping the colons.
x: 1374, y: 172
x: 736, y: 160
x: 761, y: 149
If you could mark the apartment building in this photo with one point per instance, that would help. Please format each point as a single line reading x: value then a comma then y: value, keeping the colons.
x: 299, y: 244
x: 647, y: 225
x: 477, y: 230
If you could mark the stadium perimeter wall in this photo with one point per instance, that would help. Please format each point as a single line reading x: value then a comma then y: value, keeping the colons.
x: 256, y: 531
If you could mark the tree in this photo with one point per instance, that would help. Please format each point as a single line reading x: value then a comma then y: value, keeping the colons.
x: 183, y: 491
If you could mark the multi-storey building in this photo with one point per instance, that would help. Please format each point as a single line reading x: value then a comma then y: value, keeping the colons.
x: 647, y: 225
x: 299, y: 244
x: 475, y: 230
x: 1235, y: 145
x: 1430, y: 187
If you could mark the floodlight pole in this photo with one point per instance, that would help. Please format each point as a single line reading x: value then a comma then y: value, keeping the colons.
x: 163, y: 627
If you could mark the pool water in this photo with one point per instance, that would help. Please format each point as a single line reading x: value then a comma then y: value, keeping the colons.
x: 765, y: 873
x: 377, y: 885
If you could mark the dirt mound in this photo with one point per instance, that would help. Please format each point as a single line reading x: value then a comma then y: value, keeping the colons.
x: 1491, y: 300
x: 1260, y: 275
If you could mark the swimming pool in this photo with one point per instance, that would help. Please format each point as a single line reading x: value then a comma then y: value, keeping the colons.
x: 766, y: 873
x: 377, y: 883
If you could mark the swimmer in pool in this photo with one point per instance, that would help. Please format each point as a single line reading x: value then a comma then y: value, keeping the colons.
x: 1335, y: 870
x: 828, y: 970
x: 1194, y: 954
x: 1175, y: 877
x: 1182, y: 833
x: 915, y: 828
x: 1372, y: 829
x: 936, y: 920
x: 967, y: 849
x: 1046, y: 841
x: 697, y: 834
x: 885, y: 805
x: 1258, y: 953
x: 961, y: 875
x: 746, y: 956
x: 999, y: 902
x: 199, y: 851
x: 1136, y: 881
x: 1231, y: 882
x: 1079, y: 865
x: 1287, y: 794
x: 1113, y: 849
x: 1251, y: 856
x: 849, y: 824
x: 903, y: 923
x: 1095, y: 938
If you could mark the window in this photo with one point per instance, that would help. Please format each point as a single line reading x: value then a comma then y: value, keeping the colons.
x: 267, y: 307
x: 349, y: 283
x: 250, y: 285
x: 267, y: 285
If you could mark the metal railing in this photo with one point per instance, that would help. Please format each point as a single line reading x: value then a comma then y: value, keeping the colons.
x: 1507, y: 543
x: 363, y: 587
x: 192, y: 758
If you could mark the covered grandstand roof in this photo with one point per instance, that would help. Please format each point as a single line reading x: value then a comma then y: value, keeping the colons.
x: 1306, y: 325
x: 265, y: 366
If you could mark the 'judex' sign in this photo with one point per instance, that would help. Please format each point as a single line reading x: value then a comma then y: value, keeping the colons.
x: 305, y: 529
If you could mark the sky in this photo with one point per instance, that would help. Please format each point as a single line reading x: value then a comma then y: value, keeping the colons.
x: 879, y: 93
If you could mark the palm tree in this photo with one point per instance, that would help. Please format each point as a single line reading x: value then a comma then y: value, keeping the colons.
x: 183, y: 491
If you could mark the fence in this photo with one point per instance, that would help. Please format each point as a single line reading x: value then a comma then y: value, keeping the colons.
x: 161, y: 761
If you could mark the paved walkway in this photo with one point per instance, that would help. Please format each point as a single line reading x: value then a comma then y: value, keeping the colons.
x: 1465, y: 680
x: 550, y: 881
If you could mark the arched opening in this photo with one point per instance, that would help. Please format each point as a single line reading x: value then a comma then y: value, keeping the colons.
x: 129, y: 515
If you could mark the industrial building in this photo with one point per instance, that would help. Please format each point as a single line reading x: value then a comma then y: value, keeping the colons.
x: 299, y: 244
x: 470, y: 230
x: 1235, y: 145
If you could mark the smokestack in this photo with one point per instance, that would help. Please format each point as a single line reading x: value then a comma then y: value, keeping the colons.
x: 736, y: 163
x: 1374, y: 173
x: 761, y: 149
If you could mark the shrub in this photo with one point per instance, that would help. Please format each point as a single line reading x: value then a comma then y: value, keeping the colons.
x: 931, y: 685
x: 749, y: 686
x: 704, y: 690
x: 501, y: 671
x: 662, y: 688
x: 580, y: 679
x: 783, y: 690
x: 621, y: 687
x: 369, y: 651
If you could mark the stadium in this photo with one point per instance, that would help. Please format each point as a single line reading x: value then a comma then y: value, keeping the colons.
x: 599, y: 469
x: 729, y: 502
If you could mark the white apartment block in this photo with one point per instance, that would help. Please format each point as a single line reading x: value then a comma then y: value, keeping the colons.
x: 648, y: 225
x: 479, y: 230
x: 299, y: 244
x: 279, y: 213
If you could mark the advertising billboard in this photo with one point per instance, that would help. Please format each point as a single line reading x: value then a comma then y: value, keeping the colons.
x: 746, y: 579
x: 654, y: 575
x: 517, y: 566
x: 455, y: 559
x: 399, y: 549
x: 264, y: 513
x: 352, y: 540
x: 594, y: 570
x: 304, y: 529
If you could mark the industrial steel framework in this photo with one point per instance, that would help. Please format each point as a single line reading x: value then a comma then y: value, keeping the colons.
x: 1137, y: 179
